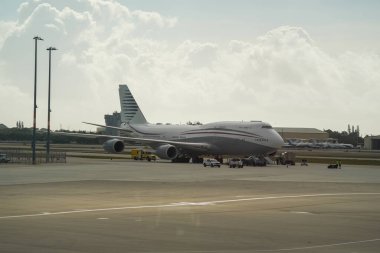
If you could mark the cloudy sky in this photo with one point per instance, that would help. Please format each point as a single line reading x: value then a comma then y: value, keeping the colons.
x: 292, y: 63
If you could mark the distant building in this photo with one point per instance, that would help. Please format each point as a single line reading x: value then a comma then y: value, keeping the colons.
x: 301, y: 133
x: 112, y: 120
x: 2, y: 126
x: 101, y: 130
x: 372, y: 142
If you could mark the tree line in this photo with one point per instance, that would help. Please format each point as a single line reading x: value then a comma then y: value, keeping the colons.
x: 352, y: 137
x: 26, y: 134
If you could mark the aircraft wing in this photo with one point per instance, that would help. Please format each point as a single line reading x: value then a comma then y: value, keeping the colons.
x: 196, y: 146
x: 111, y: 127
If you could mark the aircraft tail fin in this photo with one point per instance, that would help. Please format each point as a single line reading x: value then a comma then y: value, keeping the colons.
x: 130, y: 111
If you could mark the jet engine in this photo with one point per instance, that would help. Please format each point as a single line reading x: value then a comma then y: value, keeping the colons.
x: 113, y: 146
x: 167, y: 151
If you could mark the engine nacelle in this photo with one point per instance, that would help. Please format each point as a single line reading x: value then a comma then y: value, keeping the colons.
x: 113, y: 146
x: 167, y: 151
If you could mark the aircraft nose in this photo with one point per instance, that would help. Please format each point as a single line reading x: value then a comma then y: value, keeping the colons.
x: 278, y: 142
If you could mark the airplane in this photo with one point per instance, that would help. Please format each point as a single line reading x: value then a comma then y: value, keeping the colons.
x: 182, y: 142
x: 295, y: 143
x: 329, y: 144
x: 336, y: 145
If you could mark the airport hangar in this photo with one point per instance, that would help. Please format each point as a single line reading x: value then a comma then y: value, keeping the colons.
x: 372, y: 142
x: 301, y: 133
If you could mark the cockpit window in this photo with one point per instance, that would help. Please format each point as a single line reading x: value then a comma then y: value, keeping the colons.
x: 267, y: 126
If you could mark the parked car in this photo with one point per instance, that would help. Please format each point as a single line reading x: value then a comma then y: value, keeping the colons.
x: 254, y: 161
x: 4, y: 158
x: 211, y: 162
x: 235, y: 162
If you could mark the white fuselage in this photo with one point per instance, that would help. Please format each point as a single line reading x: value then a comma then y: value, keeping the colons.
x: 224, y: 138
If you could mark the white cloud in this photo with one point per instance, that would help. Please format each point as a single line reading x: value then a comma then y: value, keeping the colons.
x: 6, y: 28
x: 11, y: 97
x: 282, y: 77
x: 154, y: 18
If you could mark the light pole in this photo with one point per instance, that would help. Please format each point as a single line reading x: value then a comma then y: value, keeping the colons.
x: 36, y: 38
x: 48, y: 130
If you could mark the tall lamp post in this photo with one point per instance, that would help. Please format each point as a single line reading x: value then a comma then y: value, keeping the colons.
x: 36, y: 38
x: 49, y: 110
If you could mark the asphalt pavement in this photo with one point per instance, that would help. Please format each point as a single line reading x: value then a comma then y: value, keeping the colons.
x: 96, y: 205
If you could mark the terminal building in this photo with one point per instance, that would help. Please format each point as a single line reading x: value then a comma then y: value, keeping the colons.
x: 372, y: 142
x: 112, y: 120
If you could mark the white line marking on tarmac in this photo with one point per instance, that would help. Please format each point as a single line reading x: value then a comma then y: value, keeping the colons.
x: 319, y: 246
x: 193, y: 203
x: 187, y: 204
x: 293, y: 249
x: 300, y: 212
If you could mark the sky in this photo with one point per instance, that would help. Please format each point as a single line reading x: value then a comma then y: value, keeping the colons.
x: 291, y: 63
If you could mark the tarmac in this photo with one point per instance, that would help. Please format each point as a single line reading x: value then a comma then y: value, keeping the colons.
x: 99, y: 205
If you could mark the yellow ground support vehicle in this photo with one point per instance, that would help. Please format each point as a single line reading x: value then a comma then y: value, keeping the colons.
x: 139, y: 154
